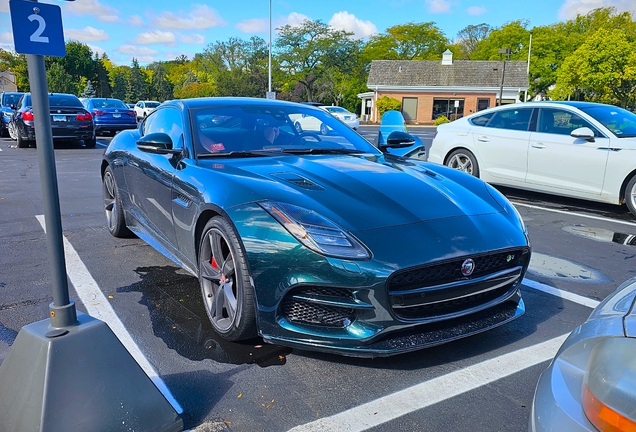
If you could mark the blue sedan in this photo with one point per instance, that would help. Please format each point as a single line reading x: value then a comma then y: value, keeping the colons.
x: 110, y: 115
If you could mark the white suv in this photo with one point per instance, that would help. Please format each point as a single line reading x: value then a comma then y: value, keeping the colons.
x: 143, y: 108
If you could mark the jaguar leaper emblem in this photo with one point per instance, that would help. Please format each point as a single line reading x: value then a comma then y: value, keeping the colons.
x: 468, y: 266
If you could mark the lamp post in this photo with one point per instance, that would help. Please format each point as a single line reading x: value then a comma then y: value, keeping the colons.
x: 502, y: 52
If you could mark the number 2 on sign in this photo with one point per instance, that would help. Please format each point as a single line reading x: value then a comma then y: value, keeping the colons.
x: 37, y: 34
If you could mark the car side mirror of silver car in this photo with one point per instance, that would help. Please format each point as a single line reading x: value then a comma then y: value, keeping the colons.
x: 583, y: 132
x: 397, y: 139
x: 157, y: 142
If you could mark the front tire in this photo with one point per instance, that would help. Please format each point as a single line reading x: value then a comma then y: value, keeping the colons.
x: 113, y: 210
x: 463, y: 160
x: 13, y: 133
x: 630, y: 195
x: 225, y: 282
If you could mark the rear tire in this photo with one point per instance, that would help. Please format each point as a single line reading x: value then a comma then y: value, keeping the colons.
x: 22, y: 143
x: 113, y: 210
x: 463, y: 160
x: 630, y: 195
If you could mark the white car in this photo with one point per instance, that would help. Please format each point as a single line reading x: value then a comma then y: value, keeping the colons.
x: 347, y: 117
x: 143, y: 108
x: 575, y: 149
x: 309, y: 123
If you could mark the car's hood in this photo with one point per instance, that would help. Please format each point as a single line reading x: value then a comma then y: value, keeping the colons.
x: 358, y: 192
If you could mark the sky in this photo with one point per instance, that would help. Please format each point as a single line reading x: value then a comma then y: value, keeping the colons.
x: 161, y: 30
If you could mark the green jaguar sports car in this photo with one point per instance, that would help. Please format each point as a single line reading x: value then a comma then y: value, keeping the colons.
x: 315, y: 239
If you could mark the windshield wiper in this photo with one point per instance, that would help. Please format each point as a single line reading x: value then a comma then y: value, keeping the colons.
x: 322, y: 151
x: 239, y: 154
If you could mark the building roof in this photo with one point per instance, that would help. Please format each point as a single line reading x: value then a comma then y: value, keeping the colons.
x: 461, y: 73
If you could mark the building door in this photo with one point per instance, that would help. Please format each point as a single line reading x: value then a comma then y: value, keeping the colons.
x: 409, y: 108
x: 482, y: 104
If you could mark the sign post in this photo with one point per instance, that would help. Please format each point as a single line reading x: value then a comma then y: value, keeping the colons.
x: 68, y: 372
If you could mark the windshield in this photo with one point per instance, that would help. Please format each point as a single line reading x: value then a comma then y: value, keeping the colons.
x: 152, y: 104
x: 336, y: 109
x: 271, y: 129
x: 619, y: 121
x: 9, y: 99
x: 60, y: 100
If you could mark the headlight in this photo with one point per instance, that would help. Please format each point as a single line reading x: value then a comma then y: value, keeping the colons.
x: 507, y: 206
x: 315, y: 231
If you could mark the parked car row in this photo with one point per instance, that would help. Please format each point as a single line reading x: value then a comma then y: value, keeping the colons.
x: 71, y: 117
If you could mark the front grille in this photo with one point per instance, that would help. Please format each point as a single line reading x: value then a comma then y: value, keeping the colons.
x: 298, y: 307
x: 440, y: 289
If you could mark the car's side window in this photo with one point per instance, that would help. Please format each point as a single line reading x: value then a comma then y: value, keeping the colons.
x: 167, y: 120
x: 514, y: 119
x: 562, y: 122
x: 481, y: 120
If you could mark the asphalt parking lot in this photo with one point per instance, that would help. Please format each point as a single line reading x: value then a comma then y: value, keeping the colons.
x: 581, y: 252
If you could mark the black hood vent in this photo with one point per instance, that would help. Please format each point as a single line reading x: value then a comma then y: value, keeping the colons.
x: 297, y: 180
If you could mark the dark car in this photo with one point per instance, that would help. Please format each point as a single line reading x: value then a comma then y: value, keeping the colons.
x: 8, y: 104
x: 69, y: 120
x: 316, y: 241
x: 110, y: 115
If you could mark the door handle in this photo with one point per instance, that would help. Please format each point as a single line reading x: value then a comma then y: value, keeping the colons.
x: 483, y: 139
x: 539, y: 145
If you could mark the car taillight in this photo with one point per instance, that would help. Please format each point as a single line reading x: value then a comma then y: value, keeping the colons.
x: 84, y: 117
x: 607, y: 396
x: 27, y: 115
x: 131, y: 113
x: 98, y: 113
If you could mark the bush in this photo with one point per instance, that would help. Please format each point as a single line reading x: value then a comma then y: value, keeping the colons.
x: 441, y: 119
x: 386, y: 103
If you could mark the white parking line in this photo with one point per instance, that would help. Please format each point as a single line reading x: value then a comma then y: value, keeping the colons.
x: 430, y: 392
x: 98, y: 307
x: 574, y: 214
x: 566, y: 295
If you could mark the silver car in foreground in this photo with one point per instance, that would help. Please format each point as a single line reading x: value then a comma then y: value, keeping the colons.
x: 591, y: 383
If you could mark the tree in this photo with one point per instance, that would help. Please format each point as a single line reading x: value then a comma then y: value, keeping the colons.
x: 469, y: 37
x: 160, y: 87
x: 101, y: 73
x: 137, y: 88
x: 412, y: 41
x: 89, y: 91
x: 602, y: 69
x: 119, y: 77
x: 194, y: 90
x: 78, y: 63
x: 16, y: 64
x: 60, y: 81
x: 306, y: 52
x: 514, y: 35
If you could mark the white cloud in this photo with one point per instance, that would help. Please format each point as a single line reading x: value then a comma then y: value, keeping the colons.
x: 256, y: 25
x: 94, y: 8
x: 345, y: 21
x: 136, y: 20
x: 476, y: 10
x: 155, y: 37
x: 201, y: 17
x: 438, y: 6
x: 87, y: 34
x: 97, y: 49
x: 192, y: 39
x: 6, y: 37
x: 295, y: 19
x: 571, y: 8
x: 136, y: 51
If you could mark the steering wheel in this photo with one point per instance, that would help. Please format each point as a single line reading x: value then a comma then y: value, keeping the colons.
x: 305, y: 134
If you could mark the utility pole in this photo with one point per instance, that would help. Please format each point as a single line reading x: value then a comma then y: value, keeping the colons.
x: 502, y: 52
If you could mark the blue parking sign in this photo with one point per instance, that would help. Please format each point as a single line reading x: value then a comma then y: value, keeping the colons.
x: 37, y: 28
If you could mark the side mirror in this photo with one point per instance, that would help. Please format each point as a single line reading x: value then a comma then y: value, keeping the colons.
x: 583, y: 132
x: 397, y: 139
x: 157, y: 142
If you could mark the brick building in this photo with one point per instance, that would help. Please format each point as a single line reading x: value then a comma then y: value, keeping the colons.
x: 429, y: 88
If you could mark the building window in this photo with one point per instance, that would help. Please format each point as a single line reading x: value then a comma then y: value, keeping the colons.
x: 409, y: 108
x: 451, y: 108
x: 483, y: 104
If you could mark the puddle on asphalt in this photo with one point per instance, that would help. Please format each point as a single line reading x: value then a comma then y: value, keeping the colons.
x: 178, y: 317
x: 559, y: 268
x: 601, y: 235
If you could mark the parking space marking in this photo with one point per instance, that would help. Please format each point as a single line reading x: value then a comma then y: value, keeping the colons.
x: 574, y: 214
x: 436, y: 390
x: 98, y: 307
x: 566, y: 295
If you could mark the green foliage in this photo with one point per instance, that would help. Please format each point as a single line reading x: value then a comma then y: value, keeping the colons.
x: 602, y: 69
x: 160, y: 87
x: 386, y: 103
x: 514, y: 35
x: 17, y: 64
x: 137, y: 88
x: 412, y: 41
x: 195, y: 90
x: 441, y: 120
x: 60, y: 81
x: 119, y: 76
x: 469, y: 37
